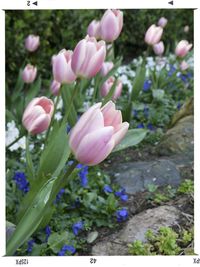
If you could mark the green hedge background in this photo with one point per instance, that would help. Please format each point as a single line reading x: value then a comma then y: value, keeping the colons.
x: 64, y: 28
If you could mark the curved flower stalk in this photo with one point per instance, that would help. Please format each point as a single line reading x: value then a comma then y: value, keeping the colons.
x: 96, y: 133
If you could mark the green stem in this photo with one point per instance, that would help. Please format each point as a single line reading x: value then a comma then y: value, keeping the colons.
x: 95, y: 88
x: 71, y: 102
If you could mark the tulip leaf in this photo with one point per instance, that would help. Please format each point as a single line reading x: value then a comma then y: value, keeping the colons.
x: 29, y: 162
x: 57, y: 241
x: 67, y: 92
x: 31, y: 219
x: 138, y: 82
x: 132, y: 138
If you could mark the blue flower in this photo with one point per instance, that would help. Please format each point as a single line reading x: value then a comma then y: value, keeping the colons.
x: 107, y: 189
x: 184, y: 78
x: 147, y: 85
x: 83, y: 175
x: 179, y: 105
x: 76, y: 227
x: 135, y: 113
x: 122, y: 215
x: 140, y: 125
x: 59, y: 195
x: 171, y: 71
x: 30, y: 245
x: 122, y: 194
x: 66, y: 248
x: 146, y: 111
x: 150, y: 126
x: 68, y: 128
x: 21, y: 182
x: 48, y: 232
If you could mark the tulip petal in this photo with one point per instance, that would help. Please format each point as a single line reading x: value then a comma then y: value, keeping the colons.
x: 78, y: 56
x: 46, y: 104
x: 109, y: 26
x: 112, y: 117
x: 95, y: 146
x: 121, y: 131
x: 40, y: 124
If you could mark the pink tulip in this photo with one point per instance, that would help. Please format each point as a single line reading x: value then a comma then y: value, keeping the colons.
x: 108, y: 85
x: 153, y: 35
x: 111, y: 25
x: 158, y: 48
x: 162, y: 22
x: 93, y: 29
x: 29, y: 73
x: 32, y: 42
x: 37, y: 115
x: 88, y: 57
x: 96, y: 133
x: 55, y: 87
x: 182, y: 48
x: 62, y: 70
x: 184, y: 65
x: 106, y: 67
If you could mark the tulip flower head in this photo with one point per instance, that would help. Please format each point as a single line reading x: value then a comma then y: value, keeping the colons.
x: 29, y: 73
x: 32, y: 42
x: 182, y: 48
x: 158, y: 48
x: 93, y: 29
x: 37, y: 115
x: 62, y: 70
x: 88, y: 57
x: 184, y: 65
x: 96, y: 133
x: 162, y: 22
x: 108, y: 85
x: 55, y: 87
x: 153, y: 35
x: 106, y: 67
x: 111, y: 25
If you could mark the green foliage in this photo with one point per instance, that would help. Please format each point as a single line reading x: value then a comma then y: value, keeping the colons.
x: 187, y: 187
x: 163, y: 242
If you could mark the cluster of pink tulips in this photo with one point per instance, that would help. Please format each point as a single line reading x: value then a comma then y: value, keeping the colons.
x: 100, y: 129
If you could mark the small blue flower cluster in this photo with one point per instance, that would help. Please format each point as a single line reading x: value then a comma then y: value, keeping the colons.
x: 185, y: 77
x: 21, y: 182
x: 48, y: 232
x: 66, y: 248
x: 30, y: 245
x: 59, y: 195
x: 140, y: 125
x: 172, y: 70
x: 83, y: 174
x: 121, y: 193
x: 179, y: 105
x: 122, y: 215
x: 77, y: 227
x: 146, y: 111
x: 147, y: 85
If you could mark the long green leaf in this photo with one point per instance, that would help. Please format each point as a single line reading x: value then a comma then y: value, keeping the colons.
x: 29, y: 162
x: 138, y: 82
x: 132, y: 138
x: 31, y: 219
x: 33, y: 90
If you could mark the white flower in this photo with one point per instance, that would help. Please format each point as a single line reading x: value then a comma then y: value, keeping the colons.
x: 58, y: 116
x: 60, y: 104
x: 12, y: 133
x: 21, y: 143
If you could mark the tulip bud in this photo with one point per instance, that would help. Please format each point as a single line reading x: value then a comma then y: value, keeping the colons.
x: 108, y: 85
x: 55, y: 87
x: 32, y: 42
x: 93, y: 29
x: 29, y: 73
x: 184, y: 65
x: 153, y: 35
x: 111, y: 25
x: 88, y: 57
x: 186, y: 29
x: 62, y: 70
x: 96, y: 133
x: 37, y: 115
x: 106, y: 67
x: 182, y: 48
x: 162, y: 22
x: 158, y: 48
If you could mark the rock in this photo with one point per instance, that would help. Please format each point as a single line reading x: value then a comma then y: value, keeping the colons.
x: 135, y: 229
x: 136, y: 176
x: 179, y: 139
x: 92, y: 237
